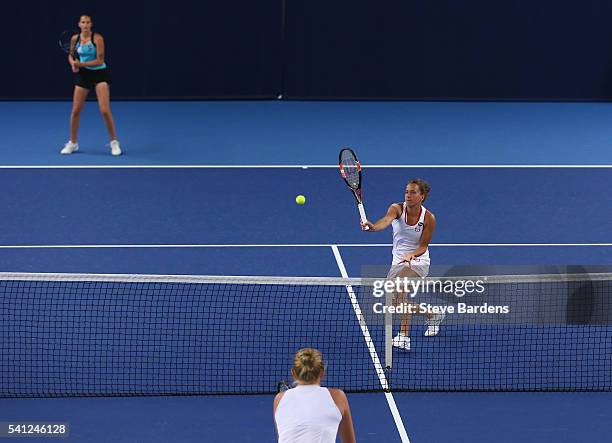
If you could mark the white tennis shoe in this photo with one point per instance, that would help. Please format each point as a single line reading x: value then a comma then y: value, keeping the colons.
x: 69, y: 148
x: 433, y: 324
x: 401, y: 341
x: 115, y: 148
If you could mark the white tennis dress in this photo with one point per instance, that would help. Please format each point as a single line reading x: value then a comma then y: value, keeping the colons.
x: 406, y: 239
x: 307, y: 414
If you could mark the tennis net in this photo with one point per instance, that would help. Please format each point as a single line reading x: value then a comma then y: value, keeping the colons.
x: 124, y: 335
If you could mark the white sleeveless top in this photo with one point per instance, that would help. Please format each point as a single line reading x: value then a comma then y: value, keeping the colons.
x: 407, y: 238
x: 307, y: 414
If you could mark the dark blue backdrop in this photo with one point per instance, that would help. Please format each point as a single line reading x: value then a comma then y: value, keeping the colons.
x: 450, y: 49
x: 396, y: 49
x: 155, y: 48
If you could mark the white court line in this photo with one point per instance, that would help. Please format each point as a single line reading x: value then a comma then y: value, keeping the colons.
x: 373, y: 354
x: 200, y: 166
x: 299, y: 245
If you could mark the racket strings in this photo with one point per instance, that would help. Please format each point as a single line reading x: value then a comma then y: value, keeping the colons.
x: 350, y: 167
x: 64, y: 40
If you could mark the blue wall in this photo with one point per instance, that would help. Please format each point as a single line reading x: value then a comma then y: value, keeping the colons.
x: 395, y: 49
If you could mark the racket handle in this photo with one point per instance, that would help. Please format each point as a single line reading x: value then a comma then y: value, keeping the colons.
x: 362, y: 215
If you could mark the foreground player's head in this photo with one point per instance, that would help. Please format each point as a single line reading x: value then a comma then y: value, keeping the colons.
x: 308, y: 366
x: 416, y: 191
x: 85, y: 22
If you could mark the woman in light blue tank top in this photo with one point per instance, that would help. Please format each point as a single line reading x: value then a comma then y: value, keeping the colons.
x: 92, y: 74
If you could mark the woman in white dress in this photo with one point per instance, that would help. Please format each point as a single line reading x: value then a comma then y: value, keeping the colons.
x: 413, y: 228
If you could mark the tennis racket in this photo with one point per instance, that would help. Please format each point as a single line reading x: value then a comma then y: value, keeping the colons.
x: 284, y: 385
x: 64, y: 43
x: 351, y: 173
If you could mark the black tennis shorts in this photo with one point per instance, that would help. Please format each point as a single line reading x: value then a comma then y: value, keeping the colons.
x: 89, y: 78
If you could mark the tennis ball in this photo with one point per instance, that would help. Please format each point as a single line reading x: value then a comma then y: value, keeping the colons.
x: 300, y: 199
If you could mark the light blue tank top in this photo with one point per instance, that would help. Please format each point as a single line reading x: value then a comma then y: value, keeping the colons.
x: 87, y: 53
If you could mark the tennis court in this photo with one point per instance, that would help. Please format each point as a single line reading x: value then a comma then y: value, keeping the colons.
x: 160, y: 211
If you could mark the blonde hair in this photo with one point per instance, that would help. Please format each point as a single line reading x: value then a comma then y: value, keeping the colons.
x: 308, y: 365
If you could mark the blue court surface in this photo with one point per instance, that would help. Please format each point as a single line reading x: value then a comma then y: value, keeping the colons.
x: 162, y: 208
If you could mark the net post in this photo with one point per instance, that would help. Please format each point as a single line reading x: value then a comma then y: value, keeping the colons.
x: 388, y: 331
x: 388, y: 339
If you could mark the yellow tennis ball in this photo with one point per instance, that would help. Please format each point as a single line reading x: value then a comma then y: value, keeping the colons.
x: 300, y: 199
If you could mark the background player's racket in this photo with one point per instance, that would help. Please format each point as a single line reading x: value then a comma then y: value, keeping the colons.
x: 64, y: 42
x: 351, y: 173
